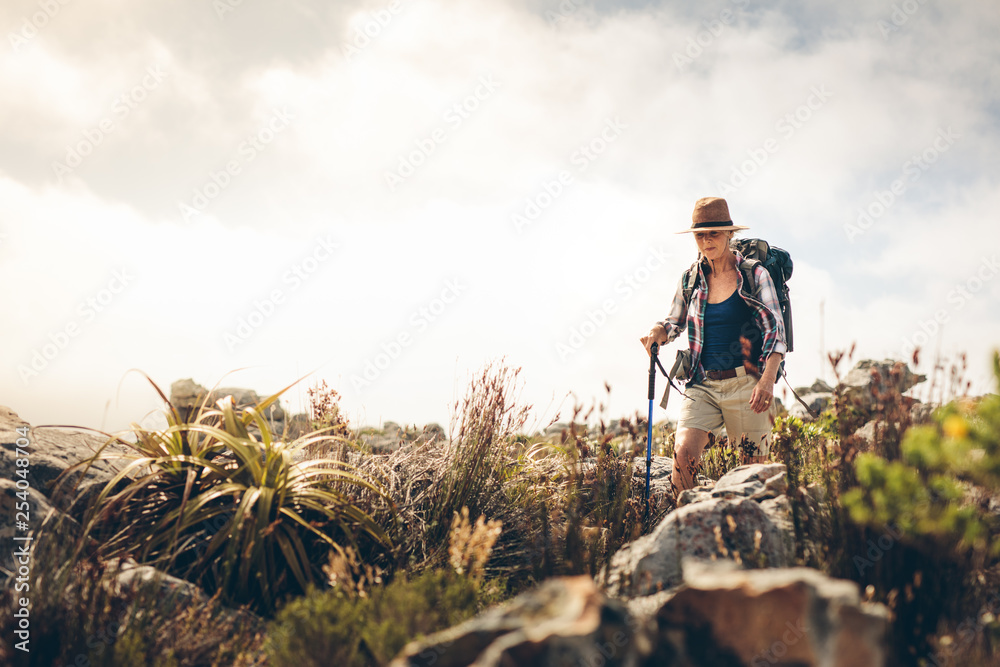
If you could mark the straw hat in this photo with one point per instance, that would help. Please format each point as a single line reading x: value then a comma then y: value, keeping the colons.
x: 711, y: 214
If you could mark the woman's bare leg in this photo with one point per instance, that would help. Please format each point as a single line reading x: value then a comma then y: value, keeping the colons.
x: 689, y: 443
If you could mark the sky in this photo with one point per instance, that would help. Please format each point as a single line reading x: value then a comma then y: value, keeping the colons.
x: 389, y: 195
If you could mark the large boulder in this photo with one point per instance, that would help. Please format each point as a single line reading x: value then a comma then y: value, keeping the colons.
x: 817, y: 402
x: 186, y: 395
x: 744, y: 518
x: 869, y: 381
x: 794, y: 616
x: 50, y: 452
x: 865, y: 386
x: 565, y: 621
x: 817, y: 396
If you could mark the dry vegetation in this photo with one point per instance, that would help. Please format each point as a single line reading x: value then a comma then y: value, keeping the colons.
x: 316, y: 549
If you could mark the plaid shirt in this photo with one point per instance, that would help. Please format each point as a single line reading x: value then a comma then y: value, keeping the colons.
x: 766, y: 312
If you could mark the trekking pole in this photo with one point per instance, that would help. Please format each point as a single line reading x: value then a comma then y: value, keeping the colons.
x: 649, y: 436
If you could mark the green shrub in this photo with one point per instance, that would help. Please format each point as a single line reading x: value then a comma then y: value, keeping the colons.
x: 332, y: 628
x: 915, y: 525
x: 927, y: 493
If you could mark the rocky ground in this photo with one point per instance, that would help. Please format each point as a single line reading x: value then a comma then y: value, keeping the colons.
x: 710, y: 585
x: 677, y: 596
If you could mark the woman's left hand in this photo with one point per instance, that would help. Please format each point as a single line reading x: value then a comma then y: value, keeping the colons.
x: 763, y: 394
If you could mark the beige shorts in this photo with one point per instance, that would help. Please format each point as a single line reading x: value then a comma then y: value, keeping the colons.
x: 713, y: 403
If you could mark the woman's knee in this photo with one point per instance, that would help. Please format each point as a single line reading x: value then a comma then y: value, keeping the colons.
x: 689, y: 444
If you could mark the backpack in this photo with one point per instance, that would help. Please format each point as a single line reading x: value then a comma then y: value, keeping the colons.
x: 778, y: 264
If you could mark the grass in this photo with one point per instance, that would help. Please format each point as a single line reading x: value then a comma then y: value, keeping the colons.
x: 351, y: 554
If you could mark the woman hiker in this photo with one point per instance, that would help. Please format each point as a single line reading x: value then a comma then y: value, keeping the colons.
x: 731, y: 380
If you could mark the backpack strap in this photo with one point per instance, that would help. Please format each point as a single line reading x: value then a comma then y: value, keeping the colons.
x: 689, y: 282
x: 747, y: 268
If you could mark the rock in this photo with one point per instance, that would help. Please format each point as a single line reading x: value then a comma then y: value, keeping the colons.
x: 18, y: 521
x: 187, y: 395
x: 244, y: 398
x: 432, y: 433
x: 170, y: 596
x: 565, y: 621
x: 557, y: 429
x: 795, y: 616
x: 660, y: 470
x: 744, y: 518
x: 820, y: 387
x: 857, y: 387
x: 867, y: 432
x: 817, y: 402
x: 817, y: 387
x: 759, y: 473
x: 51, y: 452
x: 171, y: 590
x: 922, y: 413
x: 870, y: 377
x: 298, y: 426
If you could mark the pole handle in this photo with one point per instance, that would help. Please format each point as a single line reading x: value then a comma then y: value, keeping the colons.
x: 652, y: 370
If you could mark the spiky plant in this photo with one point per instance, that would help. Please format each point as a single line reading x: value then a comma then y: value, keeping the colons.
x: 216, y: 499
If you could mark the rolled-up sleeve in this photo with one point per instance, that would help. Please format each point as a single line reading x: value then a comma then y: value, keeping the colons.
x: 676, y: 320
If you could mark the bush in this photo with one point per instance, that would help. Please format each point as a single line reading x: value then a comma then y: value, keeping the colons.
x: 927, y: 493
x: 334, y: 628
x: 912, y: 519
x: 214, y: 498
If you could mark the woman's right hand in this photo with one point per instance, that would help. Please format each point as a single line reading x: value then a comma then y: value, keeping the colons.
x: 656, y: 335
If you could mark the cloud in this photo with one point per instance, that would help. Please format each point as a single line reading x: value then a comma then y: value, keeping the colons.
x: 583, y: 119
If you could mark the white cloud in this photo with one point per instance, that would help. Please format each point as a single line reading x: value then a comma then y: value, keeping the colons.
x: 875, y: 102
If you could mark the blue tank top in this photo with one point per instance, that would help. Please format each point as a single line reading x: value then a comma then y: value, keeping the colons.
x: 725, y: 322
